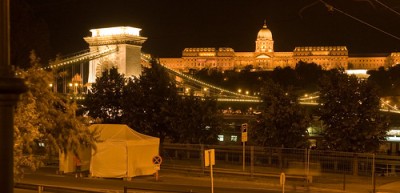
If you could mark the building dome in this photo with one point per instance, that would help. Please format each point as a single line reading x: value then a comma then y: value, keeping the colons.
x: 264, y: 33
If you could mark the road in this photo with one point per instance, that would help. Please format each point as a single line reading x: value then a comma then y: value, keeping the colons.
x: 167, y: 183
x: 173, y: 181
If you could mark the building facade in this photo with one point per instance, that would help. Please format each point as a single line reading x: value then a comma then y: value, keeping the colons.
x: 121, y: 47
x: 265, y: 58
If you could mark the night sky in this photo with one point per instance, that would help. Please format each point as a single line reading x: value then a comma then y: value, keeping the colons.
x: 172, y: 25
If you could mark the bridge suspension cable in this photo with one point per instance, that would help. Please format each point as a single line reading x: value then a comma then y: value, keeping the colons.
x: 241, y: 97
x: 85, y: 56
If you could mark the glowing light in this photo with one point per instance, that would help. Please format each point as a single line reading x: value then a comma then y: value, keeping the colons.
x: 206, y: 54
x: 123, y: 30
x: 356, y: 71
x: 359, y: 73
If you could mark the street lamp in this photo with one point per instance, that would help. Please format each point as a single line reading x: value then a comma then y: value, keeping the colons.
x: 10, y: 89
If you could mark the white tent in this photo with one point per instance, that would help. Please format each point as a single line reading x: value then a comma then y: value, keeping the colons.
x: 122, y: 152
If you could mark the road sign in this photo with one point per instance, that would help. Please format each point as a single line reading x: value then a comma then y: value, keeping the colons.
x: 244, y: 137
x: 209, y: 160
x: 243, y: 128
x: 157, y: 160
x: 209, y: 157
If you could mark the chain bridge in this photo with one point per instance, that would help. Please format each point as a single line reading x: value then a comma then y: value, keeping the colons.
x: 121, y: 47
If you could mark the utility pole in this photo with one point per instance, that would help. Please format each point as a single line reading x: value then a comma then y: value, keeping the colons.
x: 10, y: 89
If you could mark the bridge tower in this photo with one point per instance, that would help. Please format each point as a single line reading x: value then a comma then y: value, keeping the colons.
x: 125, y: 43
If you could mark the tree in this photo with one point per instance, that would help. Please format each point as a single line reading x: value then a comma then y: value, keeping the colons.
x: 46, y: 117
x: 150, y: 102
x: 382, y: 79
x: 283, y: 123
x: 104, y: 99
x: 286, y: 77
x: 198, y: 121
x: 350, y: 113
x: 308, y: 75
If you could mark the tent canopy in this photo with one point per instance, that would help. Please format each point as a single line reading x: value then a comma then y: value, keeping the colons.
x: 122, y: 152
x: 119, y: 132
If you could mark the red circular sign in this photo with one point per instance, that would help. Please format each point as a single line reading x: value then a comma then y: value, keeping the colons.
x: 157, y: 159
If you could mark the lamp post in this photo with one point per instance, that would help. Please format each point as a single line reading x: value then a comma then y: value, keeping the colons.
x: 10, y: 89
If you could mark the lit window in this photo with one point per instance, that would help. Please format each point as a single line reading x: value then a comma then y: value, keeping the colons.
x: 234, y: 138
x: 220, y: 137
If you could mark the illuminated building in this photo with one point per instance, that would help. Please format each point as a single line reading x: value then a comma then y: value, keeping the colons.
x: 122, y: 48
x: 265, y: 58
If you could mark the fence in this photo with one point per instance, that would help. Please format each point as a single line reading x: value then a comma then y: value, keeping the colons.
x: 285, y: 158
x: 339, y: 169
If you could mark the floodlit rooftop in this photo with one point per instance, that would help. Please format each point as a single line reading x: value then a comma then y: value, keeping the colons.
x: 122, y: 30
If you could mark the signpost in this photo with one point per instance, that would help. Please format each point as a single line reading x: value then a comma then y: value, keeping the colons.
x: 157, y: 160
x: 244, y: 139
x: 209, y: 160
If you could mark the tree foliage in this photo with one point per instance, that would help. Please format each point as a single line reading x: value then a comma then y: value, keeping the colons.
x: 151, y: 105
x: 198, y: 121
x: 283, y: 123
x: 44, y: 116
x: 308, y: 75
x: 150, y: 102
x: 350, y: 113
x: 388, y: 81
x: 104, y: 99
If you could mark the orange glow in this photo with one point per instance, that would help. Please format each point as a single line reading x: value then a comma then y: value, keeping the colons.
x: 115, y: 31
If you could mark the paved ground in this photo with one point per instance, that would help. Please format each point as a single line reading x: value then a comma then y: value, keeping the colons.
x: 186, y: 178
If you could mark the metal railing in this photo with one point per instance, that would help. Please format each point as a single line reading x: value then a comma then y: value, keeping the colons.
x: 276, y: 160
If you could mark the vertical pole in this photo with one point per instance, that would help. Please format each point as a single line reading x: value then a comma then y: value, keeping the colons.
x: 308, y: 165
x: 373, y: 173
x: 211, y: 172
x: 344, y: 181
x: 202, y: 158
x: 282, y: 181
x: 305, y: 160
x: 10, y: 89
x: 252, y: 160
x: 244, y: 155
